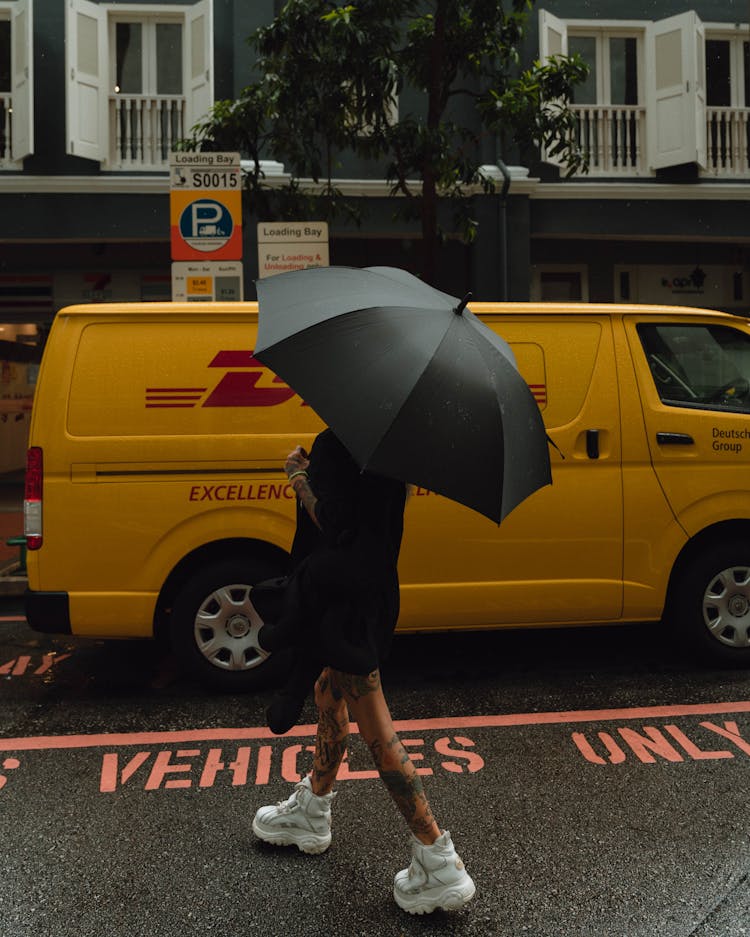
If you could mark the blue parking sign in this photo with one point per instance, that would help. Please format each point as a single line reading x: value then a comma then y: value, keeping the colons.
x: 206, y: 225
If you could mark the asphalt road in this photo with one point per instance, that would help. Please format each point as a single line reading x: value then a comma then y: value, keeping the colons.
x: 595, y: 782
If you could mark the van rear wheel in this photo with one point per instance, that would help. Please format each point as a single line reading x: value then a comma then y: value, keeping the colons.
x: 214, y: 626
x: 711, y: 603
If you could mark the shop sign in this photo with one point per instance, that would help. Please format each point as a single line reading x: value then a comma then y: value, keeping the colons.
x: 709, y: 286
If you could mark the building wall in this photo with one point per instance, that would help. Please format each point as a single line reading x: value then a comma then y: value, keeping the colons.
x: 102, y: 220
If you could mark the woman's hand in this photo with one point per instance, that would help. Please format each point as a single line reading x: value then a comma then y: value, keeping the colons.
x: 296, y: 461
x: 295, y: 467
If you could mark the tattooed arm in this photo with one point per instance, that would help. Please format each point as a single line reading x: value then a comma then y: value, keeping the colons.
x: 296, y: 466
x: 304, y: 492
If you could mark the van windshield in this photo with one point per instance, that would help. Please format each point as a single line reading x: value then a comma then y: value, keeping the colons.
x: 699, y: 365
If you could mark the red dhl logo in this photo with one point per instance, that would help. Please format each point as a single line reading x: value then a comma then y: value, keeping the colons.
x: 239, y: 387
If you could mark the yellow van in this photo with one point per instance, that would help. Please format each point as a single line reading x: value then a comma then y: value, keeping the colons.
x: 156, y: 497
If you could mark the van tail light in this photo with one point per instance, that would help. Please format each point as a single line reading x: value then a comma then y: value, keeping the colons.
x: 32, y: 499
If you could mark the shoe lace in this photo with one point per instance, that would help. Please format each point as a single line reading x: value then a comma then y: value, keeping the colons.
x: 286, y: 806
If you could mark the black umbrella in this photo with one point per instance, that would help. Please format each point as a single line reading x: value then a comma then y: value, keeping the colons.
x: 413, y: 384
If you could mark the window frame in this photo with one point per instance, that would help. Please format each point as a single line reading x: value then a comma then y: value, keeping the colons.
x: 671, y: 376
x: 91, y: 99
x: 602, y: 33
x: 736, y: 39
x: 538, y: 270
x: 149, y: 50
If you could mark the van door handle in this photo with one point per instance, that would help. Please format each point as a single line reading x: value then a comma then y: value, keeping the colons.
x: 592, y: 443
x: 675, y: 439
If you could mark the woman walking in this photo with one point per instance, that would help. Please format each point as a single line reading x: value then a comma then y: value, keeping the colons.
x: 342, y: 608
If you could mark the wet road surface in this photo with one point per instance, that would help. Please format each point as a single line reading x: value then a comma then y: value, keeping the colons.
x: 595, y: 782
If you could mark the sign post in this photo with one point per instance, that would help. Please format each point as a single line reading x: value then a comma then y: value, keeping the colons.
x: 205, y: 207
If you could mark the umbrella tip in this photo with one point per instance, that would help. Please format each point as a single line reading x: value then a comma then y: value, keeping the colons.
x: 462, y: 305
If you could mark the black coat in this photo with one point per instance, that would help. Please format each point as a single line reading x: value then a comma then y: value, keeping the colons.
x: 344, y: 590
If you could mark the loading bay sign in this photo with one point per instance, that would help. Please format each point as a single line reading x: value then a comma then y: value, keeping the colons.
x: 291, y: 245
x: 205, y: 206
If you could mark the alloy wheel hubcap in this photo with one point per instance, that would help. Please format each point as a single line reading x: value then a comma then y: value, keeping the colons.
x: 726, y: 606
x: 226, y: 629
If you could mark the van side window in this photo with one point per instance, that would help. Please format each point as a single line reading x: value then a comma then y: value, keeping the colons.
x: 706, y: 366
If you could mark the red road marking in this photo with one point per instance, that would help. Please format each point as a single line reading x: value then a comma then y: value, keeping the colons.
x: 12, y: 618
x: 110, y: 740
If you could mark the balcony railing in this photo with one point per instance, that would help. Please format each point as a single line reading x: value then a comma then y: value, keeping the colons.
x: 728, y: 141
x: 612, y: 137
x: 143, y: 129
x: 6, y: 128
x: 614, y: 140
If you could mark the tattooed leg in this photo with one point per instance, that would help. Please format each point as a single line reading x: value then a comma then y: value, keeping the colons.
x: 405, y: 787
x: 333, y: 733
x: 365, y: 700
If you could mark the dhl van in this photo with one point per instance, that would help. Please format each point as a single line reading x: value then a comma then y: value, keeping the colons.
x: 156, y: 497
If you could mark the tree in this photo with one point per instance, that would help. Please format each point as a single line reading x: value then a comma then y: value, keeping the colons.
x: 329, y: 73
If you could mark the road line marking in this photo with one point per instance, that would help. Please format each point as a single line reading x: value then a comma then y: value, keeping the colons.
x: 18, y: 618
x: 116, y: 739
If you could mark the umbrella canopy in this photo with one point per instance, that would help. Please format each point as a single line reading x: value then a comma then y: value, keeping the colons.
x: 413, y: 384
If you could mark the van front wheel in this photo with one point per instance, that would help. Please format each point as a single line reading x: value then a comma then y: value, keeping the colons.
x: 712, y: 603
x: 214, y: 627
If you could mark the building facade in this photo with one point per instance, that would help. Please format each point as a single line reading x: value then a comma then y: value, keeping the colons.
x: 93, y: 95
x: 662, y: 215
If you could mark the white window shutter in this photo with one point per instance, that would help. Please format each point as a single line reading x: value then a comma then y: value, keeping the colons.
x: 200, y: 63
x: 22, y: 79
x: 553, y: 36
x: 86, y: 75
x: 553, y: 40
x: 675, y: 92
x: 701, y: 114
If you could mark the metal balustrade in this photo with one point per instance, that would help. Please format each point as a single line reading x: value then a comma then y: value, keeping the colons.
x: 143, y: 129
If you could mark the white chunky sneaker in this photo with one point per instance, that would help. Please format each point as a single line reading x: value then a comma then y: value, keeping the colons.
x: 436, y: 878
x: 303, y: 820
